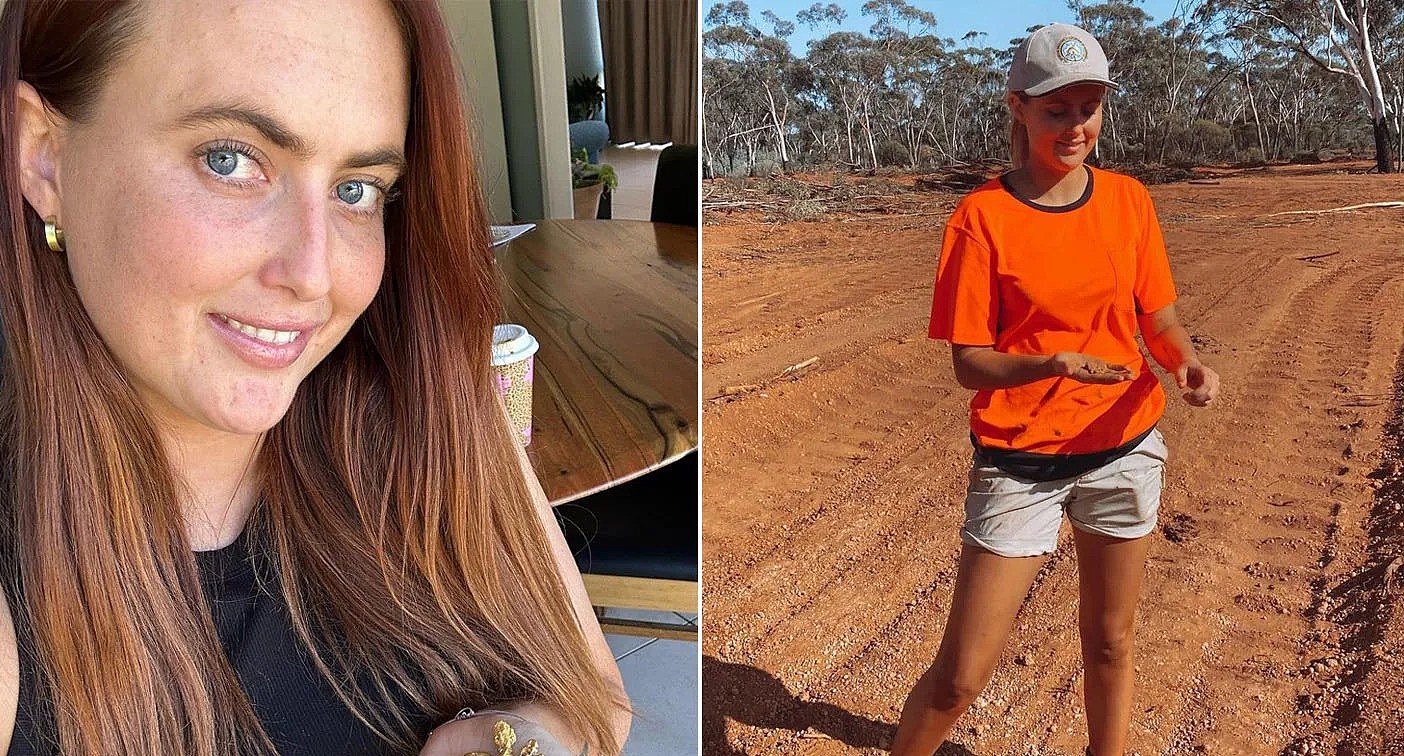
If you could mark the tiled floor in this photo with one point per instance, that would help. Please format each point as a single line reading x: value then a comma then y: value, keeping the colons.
x: 662, y: 681
x: 635, y: 165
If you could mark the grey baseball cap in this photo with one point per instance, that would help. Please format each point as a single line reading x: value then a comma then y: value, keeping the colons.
x: 1055, y: 56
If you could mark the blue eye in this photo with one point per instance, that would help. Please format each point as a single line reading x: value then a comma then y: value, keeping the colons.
x: 232, y: 163
x: 222, y: 162
x: 351, y: 192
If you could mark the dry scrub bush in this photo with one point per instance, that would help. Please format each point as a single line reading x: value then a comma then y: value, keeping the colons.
x: 804, y: 210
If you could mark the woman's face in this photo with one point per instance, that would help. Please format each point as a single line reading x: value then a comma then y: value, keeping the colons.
x: 223, y: 207
x: 1063, y: 125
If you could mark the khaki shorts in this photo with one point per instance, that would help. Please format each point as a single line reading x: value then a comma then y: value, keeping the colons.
x: 1017, y: 517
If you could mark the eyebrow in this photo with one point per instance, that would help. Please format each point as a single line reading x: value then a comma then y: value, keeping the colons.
x: 283, y: 137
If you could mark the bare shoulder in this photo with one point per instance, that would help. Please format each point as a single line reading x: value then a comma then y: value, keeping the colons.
x: 9, y: 674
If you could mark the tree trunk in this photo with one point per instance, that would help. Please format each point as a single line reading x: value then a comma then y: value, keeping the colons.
x: 1111, y: 126
x: 1382, y: 162
x: 1257, y: 122
x: 1371, y: 79
x: 1398, y: 125
x: 868, y: 128
x: 778, y: 119
x: 848, y: 130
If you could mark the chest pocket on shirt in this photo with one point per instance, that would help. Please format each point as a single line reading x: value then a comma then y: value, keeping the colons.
x: 1123, y: 272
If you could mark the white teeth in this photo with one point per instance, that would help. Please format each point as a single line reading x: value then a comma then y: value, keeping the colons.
x: 262, y: 334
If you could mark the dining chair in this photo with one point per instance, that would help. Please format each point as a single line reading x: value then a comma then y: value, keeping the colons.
x: 636, y: 546
x: 675, y: 186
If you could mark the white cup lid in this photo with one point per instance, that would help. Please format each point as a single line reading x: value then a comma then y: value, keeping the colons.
x: 511, y: 343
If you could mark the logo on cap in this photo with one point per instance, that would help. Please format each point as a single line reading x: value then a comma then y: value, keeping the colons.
x: 1071, y: 50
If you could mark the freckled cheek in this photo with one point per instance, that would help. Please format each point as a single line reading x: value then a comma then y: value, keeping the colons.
x: 185, y: 243
x: 358, y: 277
x: 144, y: 263
x: 202, y: 260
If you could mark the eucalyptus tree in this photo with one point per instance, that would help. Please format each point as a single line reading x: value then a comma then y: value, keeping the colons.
x: 1216, y: 80
x: 1339, y: 36
x: 846, y: 75
x: 760, y: 63
x: 904, y: 43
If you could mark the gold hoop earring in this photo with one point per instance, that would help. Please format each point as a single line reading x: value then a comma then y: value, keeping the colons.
x: 53, y: 234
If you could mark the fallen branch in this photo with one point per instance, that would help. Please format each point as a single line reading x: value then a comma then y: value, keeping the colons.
x: 737, y: 390
x: 1337, y: 209
x: 900, y: 215
x: 741, y: 389
x: 738, y: 203
x: 1309, y: 258
x: 799, y: 366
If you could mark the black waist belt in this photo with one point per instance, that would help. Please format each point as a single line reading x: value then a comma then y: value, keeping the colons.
x: 1044, y: 467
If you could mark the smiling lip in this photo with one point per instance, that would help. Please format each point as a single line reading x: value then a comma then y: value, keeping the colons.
x: 263, y: 349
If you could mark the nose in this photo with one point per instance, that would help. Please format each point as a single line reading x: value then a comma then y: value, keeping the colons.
x: 1075, y: 126
x: 302, y: 258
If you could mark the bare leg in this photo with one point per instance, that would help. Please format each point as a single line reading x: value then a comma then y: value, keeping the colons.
x: 1109, y: 574
x: 989, y: 591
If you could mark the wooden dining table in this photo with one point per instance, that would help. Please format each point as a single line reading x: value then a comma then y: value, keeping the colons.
x: 613, y: 304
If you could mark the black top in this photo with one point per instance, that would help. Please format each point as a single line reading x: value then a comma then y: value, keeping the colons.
x: 297, y: 707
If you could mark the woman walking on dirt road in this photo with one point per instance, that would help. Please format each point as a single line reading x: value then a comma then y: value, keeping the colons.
x: 1046, y: 275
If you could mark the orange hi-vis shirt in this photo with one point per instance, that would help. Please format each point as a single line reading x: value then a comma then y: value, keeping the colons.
x: 1035, y: 280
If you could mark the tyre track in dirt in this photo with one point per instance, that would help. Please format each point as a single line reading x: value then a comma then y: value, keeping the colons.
x: 1369, y: 712
x: 1282, y: 547
x: 814, y: 492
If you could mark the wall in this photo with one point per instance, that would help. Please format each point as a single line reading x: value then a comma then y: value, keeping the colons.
x: 531, y: 77
x: 584, y: 55
x: 511, y: 24
x: 470, y: 23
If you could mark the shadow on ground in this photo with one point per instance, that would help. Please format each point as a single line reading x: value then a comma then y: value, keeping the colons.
x: 739, y: 693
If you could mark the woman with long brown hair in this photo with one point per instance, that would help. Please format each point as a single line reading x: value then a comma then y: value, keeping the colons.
x: 259, y: 494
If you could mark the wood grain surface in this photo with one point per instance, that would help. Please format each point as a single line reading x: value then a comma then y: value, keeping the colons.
x: 614, y: 306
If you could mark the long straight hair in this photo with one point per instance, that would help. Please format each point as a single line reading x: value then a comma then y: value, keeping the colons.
x: 399, y: 525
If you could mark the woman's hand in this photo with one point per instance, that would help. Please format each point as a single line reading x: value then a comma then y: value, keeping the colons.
x: 1088, y: 369
x: 477, y: 735
x: 983, y: 369
x: 1199, y: 383
x: 460, y: 736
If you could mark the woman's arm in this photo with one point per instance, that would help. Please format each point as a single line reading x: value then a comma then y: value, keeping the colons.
x: 454, y: 738
x: 9, y: 675
x: 1169, y: 343
x: 584, y: 610
x: 982, y: 368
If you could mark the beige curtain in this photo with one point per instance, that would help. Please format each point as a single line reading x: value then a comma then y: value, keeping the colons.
x: 650, y: 53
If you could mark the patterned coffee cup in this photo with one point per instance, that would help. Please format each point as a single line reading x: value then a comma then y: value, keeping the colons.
x: 513, y: 360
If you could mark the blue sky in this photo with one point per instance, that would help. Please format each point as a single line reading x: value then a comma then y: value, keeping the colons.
x: 1003, y: 20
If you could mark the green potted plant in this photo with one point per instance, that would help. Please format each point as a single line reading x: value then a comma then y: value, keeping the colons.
x: 584, y: 98
x: 590, y: 181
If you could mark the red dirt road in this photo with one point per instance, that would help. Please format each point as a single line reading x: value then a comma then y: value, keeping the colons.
x: 1271, y: 621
